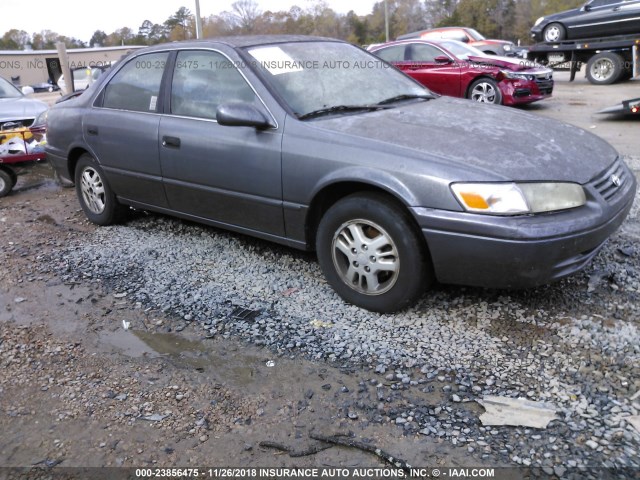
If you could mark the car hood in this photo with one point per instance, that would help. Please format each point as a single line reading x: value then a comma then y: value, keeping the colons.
x: 512, y: 64
x: 485, y: 142
x: 20, y: 108
x: 560, y: 15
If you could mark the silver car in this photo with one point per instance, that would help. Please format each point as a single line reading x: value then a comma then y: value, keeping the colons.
x: 319, y: 145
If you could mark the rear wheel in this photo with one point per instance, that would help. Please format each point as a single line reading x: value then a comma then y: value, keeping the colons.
x: 485, y: 90
x: 605, y: 68
x: 554, y: 32
x: 371, y: 253
x: 7, y: 182
x: 96, y: 197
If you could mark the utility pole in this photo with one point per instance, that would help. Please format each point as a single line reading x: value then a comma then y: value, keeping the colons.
x: 386, y: 21
x: 198, y: 21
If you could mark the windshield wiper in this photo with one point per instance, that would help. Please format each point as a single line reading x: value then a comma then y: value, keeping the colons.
x: 340, y: 108
x: 406, y: 96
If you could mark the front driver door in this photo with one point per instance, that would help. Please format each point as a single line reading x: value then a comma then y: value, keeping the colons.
x: 441, y: 77
x: 228, y: 175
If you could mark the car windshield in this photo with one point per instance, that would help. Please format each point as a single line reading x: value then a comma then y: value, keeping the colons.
x: 7, y: 90
x: 461, y: 50
x: 477, y: 36
x: 332, y: 77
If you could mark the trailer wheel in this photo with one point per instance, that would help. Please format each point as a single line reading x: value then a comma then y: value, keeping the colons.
x: 7, y: 182
x: 605, y: 68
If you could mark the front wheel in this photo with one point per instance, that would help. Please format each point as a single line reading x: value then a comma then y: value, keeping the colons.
x: 371, y: 254
x: 554, y: 32
x: 485, y: 90
x: 94, y: 193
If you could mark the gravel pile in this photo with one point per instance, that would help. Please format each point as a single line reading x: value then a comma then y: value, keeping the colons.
x: 574, y: 345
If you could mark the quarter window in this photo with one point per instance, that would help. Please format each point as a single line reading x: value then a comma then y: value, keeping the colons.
x: 136, y: 86
x: 203, y: 80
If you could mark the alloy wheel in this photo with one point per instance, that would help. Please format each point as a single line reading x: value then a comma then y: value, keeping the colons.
x: 484, y: 93
x: 365, y: 257
x: 93, y: 191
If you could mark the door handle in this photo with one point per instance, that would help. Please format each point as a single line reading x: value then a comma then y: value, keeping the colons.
x: 173, y: 142
x: 92, y: 130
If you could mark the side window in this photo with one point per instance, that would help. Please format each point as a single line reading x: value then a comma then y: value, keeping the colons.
x: 602, y: 3
x: 136, y: 86
x: 423, y: 53
x: 392, y: 54
x: 202, y: 81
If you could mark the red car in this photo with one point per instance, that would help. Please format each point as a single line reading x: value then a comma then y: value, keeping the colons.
x: 454, y: 69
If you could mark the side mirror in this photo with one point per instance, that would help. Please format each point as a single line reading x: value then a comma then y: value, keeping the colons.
x: 241, y: 115
x: 27, y: 90
x: 587, y: 7
x: 443, y: 59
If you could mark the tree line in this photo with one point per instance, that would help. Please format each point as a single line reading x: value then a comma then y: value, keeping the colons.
x: 504, y: 19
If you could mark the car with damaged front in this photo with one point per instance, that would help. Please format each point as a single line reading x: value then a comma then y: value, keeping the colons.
x: 449, y: 67
x: 319, y: 145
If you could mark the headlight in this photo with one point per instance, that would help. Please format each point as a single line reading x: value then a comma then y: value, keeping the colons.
x: 507, y: 48
x: 538, y: 21
x: 517, y: 75
x: 41, y: 119
x: 518, y: 198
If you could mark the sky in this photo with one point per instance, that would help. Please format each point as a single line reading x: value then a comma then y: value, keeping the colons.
x: 80, y: 18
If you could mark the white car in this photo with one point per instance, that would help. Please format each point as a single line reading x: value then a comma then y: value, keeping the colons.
x: 83, y: 77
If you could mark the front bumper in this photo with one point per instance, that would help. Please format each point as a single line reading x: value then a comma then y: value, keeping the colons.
x: 522, y: 251
x: 536, y: 34
x: 518, y: 92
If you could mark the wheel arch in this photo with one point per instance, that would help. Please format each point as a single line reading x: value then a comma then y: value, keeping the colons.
x: 480, y: 77
x: 332, y: 193
x: 72, y: 159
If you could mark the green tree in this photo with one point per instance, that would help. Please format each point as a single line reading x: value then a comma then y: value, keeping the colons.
x: 180, y: 25
x: 15, y: 39
x: 98, y: 39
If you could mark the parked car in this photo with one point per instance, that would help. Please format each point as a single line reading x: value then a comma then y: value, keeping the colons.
x: 316, y: 144
x: 47, y: 86
x: 16, y: 108
x: 83, y: 77
x: 455, y: 69
x: 596, y: 18
x: 469, y: 36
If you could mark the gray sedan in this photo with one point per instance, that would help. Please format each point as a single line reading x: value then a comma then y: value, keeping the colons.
x: 316, y: 144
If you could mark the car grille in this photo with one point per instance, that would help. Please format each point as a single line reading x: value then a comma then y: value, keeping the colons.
x: 545, y: 83
x: 612, y: 181
x: 11, y: 124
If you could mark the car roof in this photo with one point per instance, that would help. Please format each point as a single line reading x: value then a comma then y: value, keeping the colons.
x: 241, y: 41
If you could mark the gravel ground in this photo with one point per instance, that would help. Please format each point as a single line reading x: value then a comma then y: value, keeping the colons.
x: 574, y: 345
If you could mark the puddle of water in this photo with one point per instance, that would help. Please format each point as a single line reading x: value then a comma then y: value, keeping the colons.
x: 184, y: 352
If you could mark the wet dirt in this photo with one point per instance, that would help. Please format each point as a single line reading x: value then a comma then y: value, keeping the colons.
x: 75, y: 381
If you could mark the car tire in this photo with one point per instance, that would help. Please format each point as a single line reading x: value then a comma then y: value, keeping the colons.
x: 485, y: 90
x: 7, y: 182
x: 605, y: 68
x: 554, y: 32
x: 94, y: 193
x: 387, y: 237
